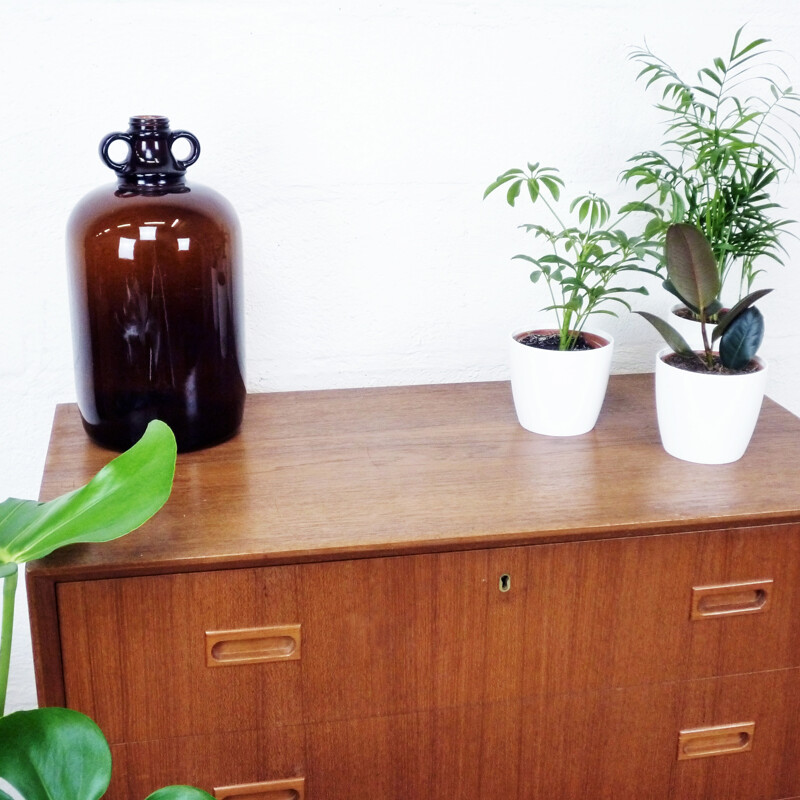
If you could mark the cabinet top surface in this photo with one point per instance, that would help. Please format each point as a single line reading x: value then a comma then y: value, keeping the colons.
x: 361, y: 472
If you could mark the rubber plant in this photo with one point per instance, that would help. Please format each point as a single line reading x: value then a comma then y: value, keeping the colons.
x: 584, y: 259
x: 59, y: 753
x: 730, y: 138
x: 693, y: 277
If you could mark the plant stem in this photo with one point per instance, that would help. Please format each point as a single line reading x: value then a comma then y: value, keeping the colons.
x: 9, y: 574
x: 709, y: 354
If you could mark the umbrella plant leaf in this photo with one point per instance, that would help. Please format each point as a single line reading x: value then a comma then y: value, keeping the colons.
x: 54, y: 753
x: 120, y: 498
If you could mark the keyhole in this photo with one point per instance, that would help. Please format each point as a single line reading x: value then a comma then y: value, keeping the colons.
x: 505, y: 582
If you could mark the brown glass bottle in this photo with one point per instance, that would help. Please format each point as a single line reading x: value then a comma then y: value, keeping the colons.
x: 155, y: 285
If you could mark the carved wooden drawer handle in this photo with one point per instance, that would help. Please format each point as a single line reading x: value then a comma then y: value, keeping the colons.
x: 289, y: 789
x: 252, y: 645
x: 728, y: 599
x: 715, y: 740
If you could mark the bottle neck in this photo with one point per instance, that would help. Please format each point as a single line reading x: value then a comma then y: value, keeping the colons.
x: 150, y: 165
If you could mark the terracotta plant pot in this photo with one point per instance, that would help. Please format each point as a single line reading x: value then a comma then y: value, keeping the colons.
x: 558, y: 392
x: 707, y: 418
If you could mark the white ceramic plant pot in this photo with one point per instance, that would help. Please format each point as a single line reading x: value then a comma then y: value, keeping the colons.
x: 560, y: 393
x: 705, y: 418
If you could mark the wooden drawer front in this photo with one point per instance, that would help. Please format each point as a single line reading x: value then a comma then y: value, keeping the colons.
x: 395, y: 635
x: 619, y: 612
x: 750, y: 641
x: 268, y: 758
x: 569, y: 747
x: 601, y: 745
x: 625, y: 744
x: 136, y: 650
x: 770, y: 768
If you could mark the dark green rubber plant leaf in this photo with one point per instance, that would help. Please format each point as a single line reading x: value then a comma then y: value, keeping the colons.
x: 120, y: 498
x: 53, y: 754
x: 691, y: 267
x: 671, y: 336
x: 741, y: 340
x: 738, y: 309
x: 711, y: 308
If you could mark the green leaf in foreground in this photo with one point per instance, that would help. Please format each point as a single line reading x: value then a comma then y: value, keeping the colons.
x: 54, y: 753
x: 120, y: 498
x: 179, y: 793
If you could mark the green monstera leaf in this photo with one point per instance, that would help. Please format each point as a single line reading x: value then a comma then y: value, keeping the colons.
x: 120, y: 498
x: 60, y: 754
x: 178, y: 792
x: 52, y: 753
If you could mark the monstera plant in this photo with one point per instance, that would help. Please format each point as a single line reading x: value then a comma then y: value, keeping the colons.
x: 58, y: 753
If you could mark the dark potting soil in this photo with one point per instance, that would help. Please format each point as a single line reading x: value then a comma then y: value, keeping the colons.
x: 550, y: 341
x: 691, y: 364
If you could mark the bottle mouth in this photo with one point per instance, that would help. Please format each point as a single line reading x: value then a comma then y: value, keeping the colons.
x: 148, y: 122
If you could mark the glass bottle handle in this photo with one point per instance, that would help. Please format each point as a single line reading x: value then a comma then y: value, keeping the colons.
x: 106, y: 143
x: 195, y: 151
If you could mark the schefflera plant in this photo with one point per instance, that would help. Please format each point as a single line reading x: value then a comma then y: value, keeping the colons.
x: 692, y: 276
x: 585, y: 260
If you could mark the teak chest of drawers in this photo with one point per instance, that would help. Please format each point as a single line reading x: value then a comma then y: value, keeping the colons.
x: 400, y: 594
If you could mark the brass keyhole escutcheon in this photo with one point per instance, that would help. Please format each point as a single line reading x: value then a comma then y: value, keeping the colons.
x: 505, y: 582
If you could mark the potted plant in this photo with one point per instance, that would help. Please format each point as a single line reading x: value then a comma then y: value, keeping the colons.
x: 729, y: 142
x: 559, y: 375
x: 707, y: 401
x: 57, y: 752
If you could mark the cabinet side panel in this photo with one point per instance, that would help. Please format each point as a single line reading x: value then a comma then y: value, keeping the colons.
x: 45, y: 637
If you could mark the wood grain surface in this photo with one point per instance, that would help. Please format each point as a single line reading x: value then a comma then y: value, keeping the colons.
x: 364, y: 472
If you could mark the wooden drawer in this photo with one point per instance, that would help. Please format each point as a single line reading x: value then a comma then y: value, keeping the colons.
x: 389, y: 636
x: 626, y: 744
x: 135, y: 653
x: 270, y: 758
x: 604, y: 745
x: 771, y: 768
x: 619, y: 612
x: 392, y: 636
